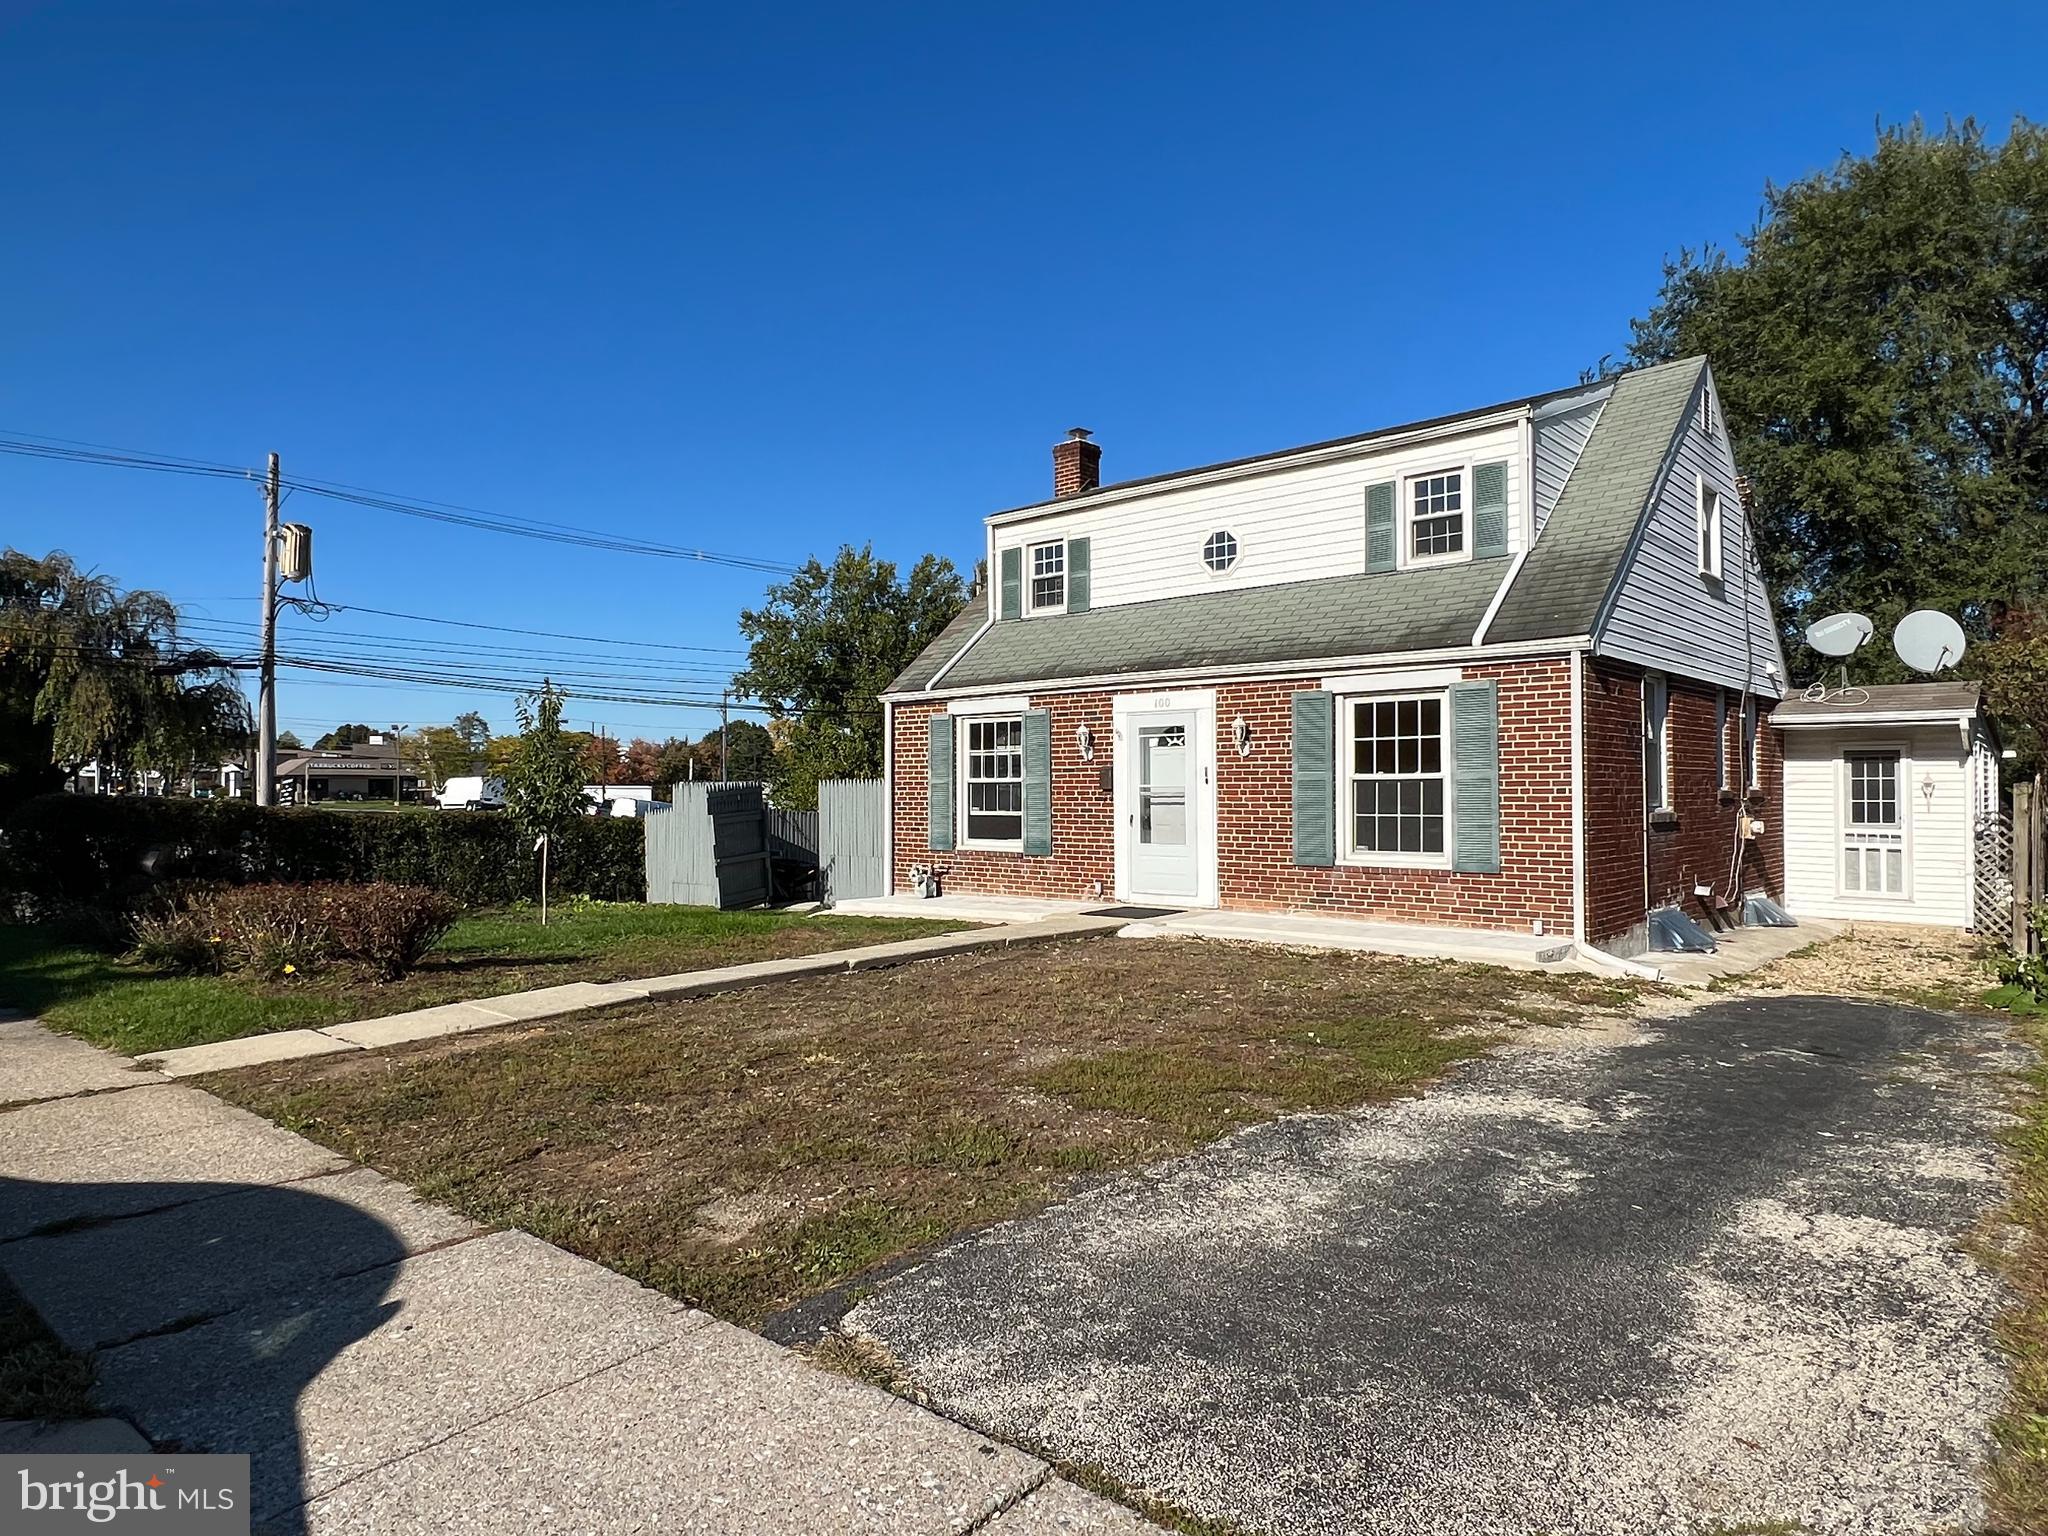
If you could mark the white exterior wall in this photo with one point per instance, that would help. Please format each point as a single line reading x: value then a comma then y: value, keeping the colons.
x: 1940, y: 823
x: 1292, y: 523
x: 1669, y: 617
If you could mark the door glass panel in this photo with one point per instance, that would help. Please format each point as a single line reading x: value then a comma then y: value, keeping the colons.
x: 1163, y: 785
x: 1873, y: 826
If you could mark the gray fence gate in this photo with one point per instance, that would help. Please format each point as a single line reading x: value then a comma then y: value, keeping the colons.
x: 853, y: 816
x: 711, y: 849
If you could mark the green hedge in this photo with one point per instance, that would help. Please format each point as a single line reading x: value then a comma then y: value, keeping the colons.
x: 109, y: 852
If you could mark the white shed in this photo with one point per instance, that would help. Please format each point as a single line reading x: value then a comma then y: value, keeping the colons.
x: 1884, y: 790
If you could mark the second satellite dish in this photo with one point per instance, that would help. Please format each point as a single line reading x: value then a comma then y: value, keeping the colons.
x: 1839, y: 634
x: 1928, y: 640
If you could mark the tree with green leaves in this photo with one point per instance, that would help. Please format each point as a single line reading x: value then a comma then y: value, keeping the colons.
x: 544, y: 777
x: 746, y: 754
x: 89, y: 673
x: 1880, y: 344
x: 820, y: 649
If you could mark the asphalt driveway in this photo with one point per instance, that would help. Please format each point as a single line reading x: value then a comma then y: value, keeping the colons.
x: 1698, y: 1273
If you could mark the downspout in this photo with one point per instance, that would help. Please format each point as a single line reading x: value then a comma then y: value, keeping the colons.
x: 888, y: 797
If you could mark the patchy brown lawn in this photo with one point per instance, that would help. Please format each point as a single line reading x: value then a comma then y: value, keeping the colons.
x: 1935, y: 968
x: 746, y: 1151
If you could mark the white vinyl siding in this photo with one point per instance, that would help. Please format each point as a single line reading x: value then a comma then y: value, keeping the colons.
x: 1664, y: 615
x: 1936, y: 798
x: 1291, y: 524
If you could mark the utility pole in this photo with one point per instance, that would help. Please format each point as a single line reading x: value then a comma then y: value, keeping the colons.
x: 724, y: 736
x: 266, y: 707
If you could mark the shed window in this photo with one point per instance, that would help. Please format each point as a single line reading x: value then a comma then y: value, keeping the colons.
x: 994, y: 781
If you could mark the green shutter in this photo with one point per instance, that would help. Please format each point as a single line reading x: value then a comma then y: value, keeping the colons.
x: 1077, y: 575
x: 1489, y: 510
x: 1315, y: 778
x: 942, y: 794
x: 1475, y: 777
x: 1013, y: 584
x: 1380, y: 532
x: 1037, y: 782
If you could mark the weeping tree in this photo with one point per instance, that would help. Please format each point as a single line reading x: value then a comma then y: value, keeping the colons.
x: 90, y: 673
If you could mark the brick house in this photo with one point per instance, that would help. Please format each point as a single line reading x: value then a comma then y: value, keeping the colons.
x: 1504, y: 669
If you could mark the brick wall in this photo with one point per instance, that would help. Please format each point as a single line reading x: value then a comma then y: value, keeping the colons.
x: 1254, y: 796
x: 1692, y: 845
x: 1614, y: 801
x: 1083, y: 812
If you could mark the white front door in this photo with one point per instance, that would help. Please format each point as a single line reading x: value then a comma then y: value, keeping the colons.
x: 1874, y: 852
x: 1163, y: 808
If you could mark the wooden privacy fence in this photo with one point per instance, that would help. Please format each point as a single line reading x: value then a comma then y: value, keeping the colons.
x: 722, y: 845
x: 852, y: 830
x: 2029, y: 864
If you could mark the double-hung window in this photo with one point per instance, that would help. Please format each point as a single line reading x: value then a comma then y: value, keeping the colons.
x: 1656, y: 744
x: 1048, y: 576
x: 993, y: 786
x: 1396, y: 761
x: 1436, y: 517
x: 1721, y: 739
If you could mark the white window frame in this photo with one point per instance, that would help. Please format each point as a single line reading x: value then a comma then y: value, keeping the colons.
x: 1707, y: 519
x: 1031, y: 603
x: 1406, y: 519
x: 1902, y: 762
x: 1236, y: 551
x: 1348, y: 775
x: 963, y: 728
x: 1721, y: 740
x: 1657, y: 738
x: 1749, y: 732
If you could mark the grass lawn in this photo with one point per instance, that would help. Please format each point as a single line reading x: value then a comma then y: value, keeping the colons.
x: 101, y: 998
x: 746, y: 1151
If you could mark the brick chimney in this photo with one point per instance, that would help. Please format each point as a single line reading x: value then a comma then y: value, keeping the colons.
x: 1076, y: 464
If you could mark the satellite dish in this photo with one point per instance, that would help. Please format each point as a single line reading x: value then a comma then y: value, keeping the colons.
x: 1839, y: 634
x: 1928, y: 640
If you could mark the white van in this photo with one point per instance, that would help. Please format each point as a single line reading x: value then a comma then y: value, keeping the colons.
x: 471, y: 792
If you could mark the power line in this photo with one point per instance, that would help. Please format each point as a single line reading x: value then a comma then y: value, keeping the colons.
x: 31, y: 445
x: 548, y: 634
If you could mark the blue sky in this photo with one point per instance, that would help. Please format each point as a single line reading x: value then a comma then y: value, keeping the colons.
x: 766, y: 281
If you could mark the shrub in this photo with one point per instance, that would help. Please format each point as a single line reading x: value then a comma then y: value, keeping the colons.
x: 2027, y: 975
x: 388, y: 928
x: 102, y: 855
x: 280, y: 930
x: 177, y: 939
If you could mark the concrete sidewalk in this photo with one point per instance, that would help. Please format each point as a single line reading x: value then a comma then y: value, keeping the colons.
x: 578, y: 996
x: 392, y: 1367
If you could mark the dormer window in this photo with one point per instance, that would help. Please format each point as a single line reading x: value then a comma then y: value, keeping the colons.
x: 1436, y: 517
x: 1049, y: 577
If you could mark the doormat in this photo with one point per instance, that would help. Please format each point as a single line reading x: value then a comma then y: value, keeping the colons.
x: 1134, y: 912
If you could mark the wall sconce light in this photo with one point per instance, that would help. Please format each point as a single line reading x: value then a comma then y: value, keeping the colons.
x: 1241, y: 736
x: 1084, y: 738
x: 1927, y: 788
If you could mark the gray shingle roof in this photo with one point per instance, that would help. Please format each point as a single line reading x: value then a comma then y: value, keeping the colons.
x: 1564, y: 582
x: 1299, y: 621
x: 947, y: 644
x: 1558, y: 593
x: 1884, y: 699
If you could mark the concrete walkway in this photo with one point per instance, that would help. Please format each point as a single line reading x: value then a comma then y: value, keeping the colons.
x: 391, y: 1367
x: 577, y: 996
